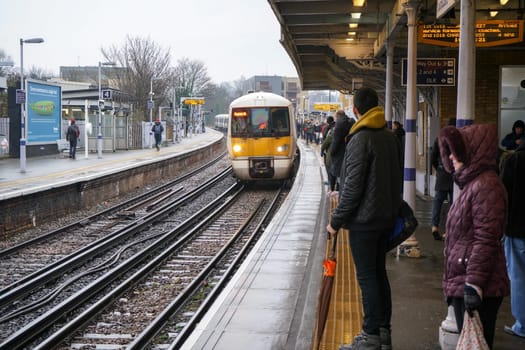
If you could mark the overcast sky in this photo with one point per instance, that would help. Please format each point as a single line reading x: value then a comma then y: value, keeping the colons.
x: 233, y: 38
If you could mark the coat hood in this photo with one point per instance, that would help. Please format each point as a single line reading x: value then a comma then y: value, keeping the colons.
x: 373, y: 119
x: 474, y: 145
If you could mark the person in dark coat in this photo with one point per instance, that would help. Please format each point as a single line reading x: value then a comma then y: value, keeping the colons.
x: 444, y: 187
x: 157, y: 130
x: 475, y: 275
x: 369, y: 202
x: 342, y: 126
x: 397, y: 128
x: 513, y: 177
x: 513, y: 140
x: 328, y: 137
x: 72, y: 135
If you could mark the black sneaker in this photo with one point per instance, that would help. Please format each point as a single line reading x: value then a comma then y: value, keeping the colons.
x: 437, y: 236
x: 385, y: 338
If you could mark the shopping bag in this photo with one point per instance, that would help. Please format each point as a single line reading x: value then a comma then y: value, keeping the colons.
x: 471, y: 337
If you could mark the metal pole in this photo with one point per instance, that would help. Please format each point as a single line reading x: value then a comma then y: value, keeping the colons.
x: 150, y: 111
x: 86, y: 122
x: 411, y: 245
x: 22, y: 112
x: 23, y: 132
x: 174, y: 117
x: 99, y: 136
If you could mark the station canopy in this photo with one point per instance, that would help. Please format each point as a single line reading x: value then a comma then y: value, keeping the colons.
x: 341, y: 44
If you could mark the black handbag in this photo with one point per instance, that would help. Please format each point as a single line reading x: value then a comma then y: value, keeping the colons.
x: 406, y: 224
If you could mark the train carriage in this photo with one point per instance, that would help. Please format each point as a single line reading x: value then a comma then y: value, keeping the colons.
x: 221, y: 122
x: 262, y: 141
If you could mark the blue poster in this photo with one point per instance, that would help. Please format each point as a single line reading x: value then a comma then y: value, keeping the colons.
x: 44, y: 108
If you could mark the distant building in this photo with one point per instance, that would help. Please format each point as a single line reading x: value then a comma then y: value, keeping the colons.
x: 288, y: 87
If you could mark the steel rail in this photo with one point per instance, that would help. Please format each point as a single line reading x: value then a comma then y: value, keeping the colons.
x: 25, y: 335
x: 83, y: 222
x: 58, y: 268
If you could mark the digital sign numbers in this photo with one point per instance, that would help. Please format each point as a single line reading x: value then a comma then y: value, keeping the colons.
x: 488, y: 33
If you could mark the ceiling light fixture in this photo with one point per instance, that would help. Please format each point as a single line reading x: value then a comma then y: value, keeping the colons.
x: 356, y: 15
x: 502, y: 2
x: 349, y: 39
x: 352, y: 33
x: 353, y: 25
x: 493, y: 13
x: 359, y: 3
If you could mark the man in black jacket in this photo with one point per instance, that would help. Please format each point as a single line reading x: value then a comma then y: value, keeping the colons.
x: 369, y: 203
x: 72, y: 135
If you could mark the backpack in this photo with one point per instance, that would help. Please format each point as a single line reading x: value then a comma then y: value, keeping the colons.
x: 157, y: 128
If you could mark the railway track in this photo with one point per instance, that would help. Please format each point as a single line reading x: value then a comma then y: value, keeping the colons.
x: 54, y: 301
x: 45, y: 250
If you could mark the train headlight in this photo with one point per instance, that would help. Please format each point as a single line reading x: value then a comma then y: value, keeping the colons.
x: 237, y: 148
x: 283, y: 148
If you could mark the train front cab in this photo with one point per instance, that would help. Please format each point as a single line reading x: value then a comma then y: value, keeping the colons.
x: 262, y: 142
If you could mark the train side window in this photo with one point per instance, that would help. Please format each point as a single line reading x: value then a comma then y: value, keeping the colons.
x: 280, y: 122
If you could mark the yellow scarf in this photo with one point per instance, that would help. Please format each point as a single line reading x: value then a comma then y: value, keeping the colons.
x: 373, y: 119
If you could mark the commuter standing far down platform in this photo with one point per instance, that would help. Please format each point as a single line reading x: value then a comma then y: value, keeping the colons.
x: 72, y: 135
x: 157, y: 130
x: 370, y: 198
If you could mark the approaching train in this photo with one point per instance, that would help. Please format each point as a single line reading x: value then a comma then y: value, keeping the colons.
x: 262, y: 141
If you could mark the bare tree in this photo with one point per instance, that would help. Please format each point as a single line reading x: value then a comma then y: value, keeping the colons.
x: 39, y: 73
x: 145, y: 65
x: 192, y: 78
x: 6, y: 68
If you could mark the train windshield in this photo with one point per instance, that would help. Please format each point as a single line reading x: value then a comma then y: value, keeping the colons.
x: 260, y: 122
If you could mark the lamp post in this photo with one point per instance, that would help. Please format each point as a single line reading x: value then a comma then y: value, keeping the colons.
x: 100, y: 106
x: 23, y: 104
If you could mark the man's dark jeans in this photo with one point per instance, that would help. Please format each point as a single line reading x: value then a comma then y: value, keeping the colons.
x: 369, y: 253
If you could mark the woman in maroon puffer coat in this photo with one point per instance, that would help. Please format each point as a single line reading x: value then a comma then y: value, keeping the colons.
x: 475, y: 276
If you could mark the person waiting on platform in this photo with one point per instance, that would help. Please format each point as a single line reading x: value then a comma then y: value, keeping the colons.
x: 369, y: 203
x: 72, y: 136
x: 444, y: 187
x: 157, y: 130
x: 512, y: 140
x: 342, y: 126
x: 475, y: 275
x: 513, y: 176
x: 325, y: 147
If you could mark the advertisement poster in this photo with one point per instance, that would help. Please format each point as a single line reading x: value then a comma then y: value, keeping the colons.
x: 44, y: 108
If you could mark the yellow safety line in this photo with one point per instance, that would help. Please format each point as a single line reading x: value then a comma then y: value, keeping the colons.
x: 345, y: 316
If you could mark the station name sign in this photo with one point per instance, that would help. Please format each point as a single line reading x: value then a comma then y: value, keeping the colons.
x: 432, y: 72
x: 488, y: 33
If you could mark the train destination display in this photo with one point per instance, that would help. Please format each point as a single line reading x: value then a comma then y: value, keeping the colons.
x: 488, y: 33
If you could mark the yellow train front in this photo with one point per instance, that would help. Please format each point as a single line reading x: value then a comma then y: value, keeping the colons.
x: 262, y: 141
